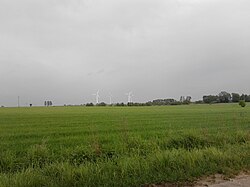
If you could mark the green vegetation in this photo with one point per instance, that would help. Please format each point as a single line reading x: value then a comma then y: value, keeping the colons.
x: 121, y: 146
x: 242, y: 103
x: 225, y: 97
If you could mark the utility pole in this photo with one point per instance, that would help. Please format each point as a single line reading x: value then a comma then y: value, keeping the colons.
x: 18, y: 101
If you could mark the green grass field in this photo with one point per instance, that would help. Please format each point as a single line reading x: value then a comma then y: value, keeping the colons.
x: 127, y: 146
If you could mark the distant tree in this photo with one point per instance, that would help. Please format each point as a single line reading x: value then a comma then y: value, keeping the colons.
x: 176, y: 103
x: 242, y: 103
x: 224, y: 97
x: 182, y: 99
x: 247, y: 98
x: 45, y: 103
x: 199, y: 102
x: 149, y: 103
x: 89, y: 104
x: 130, y: 104
x: 50, y: 103
x: 101, y: 104
x: 120, y: 104
x: 30, y: 105
x: 162, y: 102
x: 188, y: 99
x: 235, y: 97
x: 185, y: 102
x: 242, y: 97
x: 210, y: 99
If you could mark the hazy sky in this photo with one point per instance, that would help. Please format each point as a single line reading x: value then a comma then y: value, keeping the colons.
x: 65, y: 51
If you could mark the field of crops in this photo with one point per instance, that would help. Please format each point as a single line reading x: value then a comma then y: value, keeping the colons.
x: 121, y: 146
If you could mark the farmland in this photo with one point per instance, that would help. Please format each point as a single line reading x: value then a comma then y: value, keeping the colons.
x: 121, y: 146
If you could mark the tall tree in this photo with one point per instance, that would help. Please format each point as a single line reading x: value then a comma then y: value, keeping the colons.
x: 210, y: 99
x: 224, y: 97
x: 247, y: 98
x: 242, y: 97
x: 182, y: 99
x: 235, y: 97
x: 188, y: 99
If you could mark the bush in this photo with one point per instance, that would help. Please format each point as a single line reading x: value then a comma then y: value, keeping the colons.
x: 242, y: 103
x: 89, y: 104
x: 101, y: 104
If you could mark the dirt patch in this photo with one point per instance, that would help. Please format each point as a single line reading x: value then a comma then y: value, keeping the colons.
x: 241, y: 180
x: 170, y: 185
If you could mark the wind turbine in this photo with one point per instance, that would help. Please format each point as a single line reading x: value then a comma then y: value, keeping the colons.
x: 129, y: 94
x: 110, y: 99
x: 18, y: 101
x: 97, y: 96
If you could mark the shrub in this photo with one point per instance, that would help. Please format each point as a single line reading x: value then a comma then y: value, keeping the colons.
x: 242, y: 103
x: 89, y: 104
x: 101, y: 104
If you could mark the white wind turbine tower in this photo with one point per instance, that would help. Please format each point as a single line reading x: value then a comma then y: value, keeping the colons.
x: 97, y: 96
x: 110, y: 98
x: 129, y: 97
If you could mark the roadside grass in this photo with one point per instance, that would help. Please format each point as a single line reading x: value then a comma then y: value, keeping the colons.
x: 109, y: 146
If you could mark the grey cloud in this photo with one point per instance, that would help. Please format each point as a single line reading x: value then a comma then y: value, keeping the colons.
x: 66, y: 50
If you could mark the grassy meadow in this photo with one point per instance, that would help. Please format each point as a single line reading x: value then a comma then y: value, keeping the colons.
x: 121, y: 146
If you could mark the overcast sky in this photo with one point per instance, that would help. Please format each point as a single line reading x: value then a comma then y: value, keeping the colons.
x: 65, y: 51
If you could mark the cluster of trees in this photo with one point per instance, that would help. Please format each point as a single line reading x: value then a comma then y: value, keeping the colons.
x: 159, y: 102
x: 119, y: 104
x: 225, y: 97
x: 138, y: 104
x: 90, y: 104
x: 245, y: 97
x: 185, y: 100
x: 48, y: 103
x: 99, y: 104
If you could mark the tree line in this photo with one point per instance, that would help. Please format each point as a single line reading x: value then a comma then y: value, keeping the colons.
x: 225, y: 97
